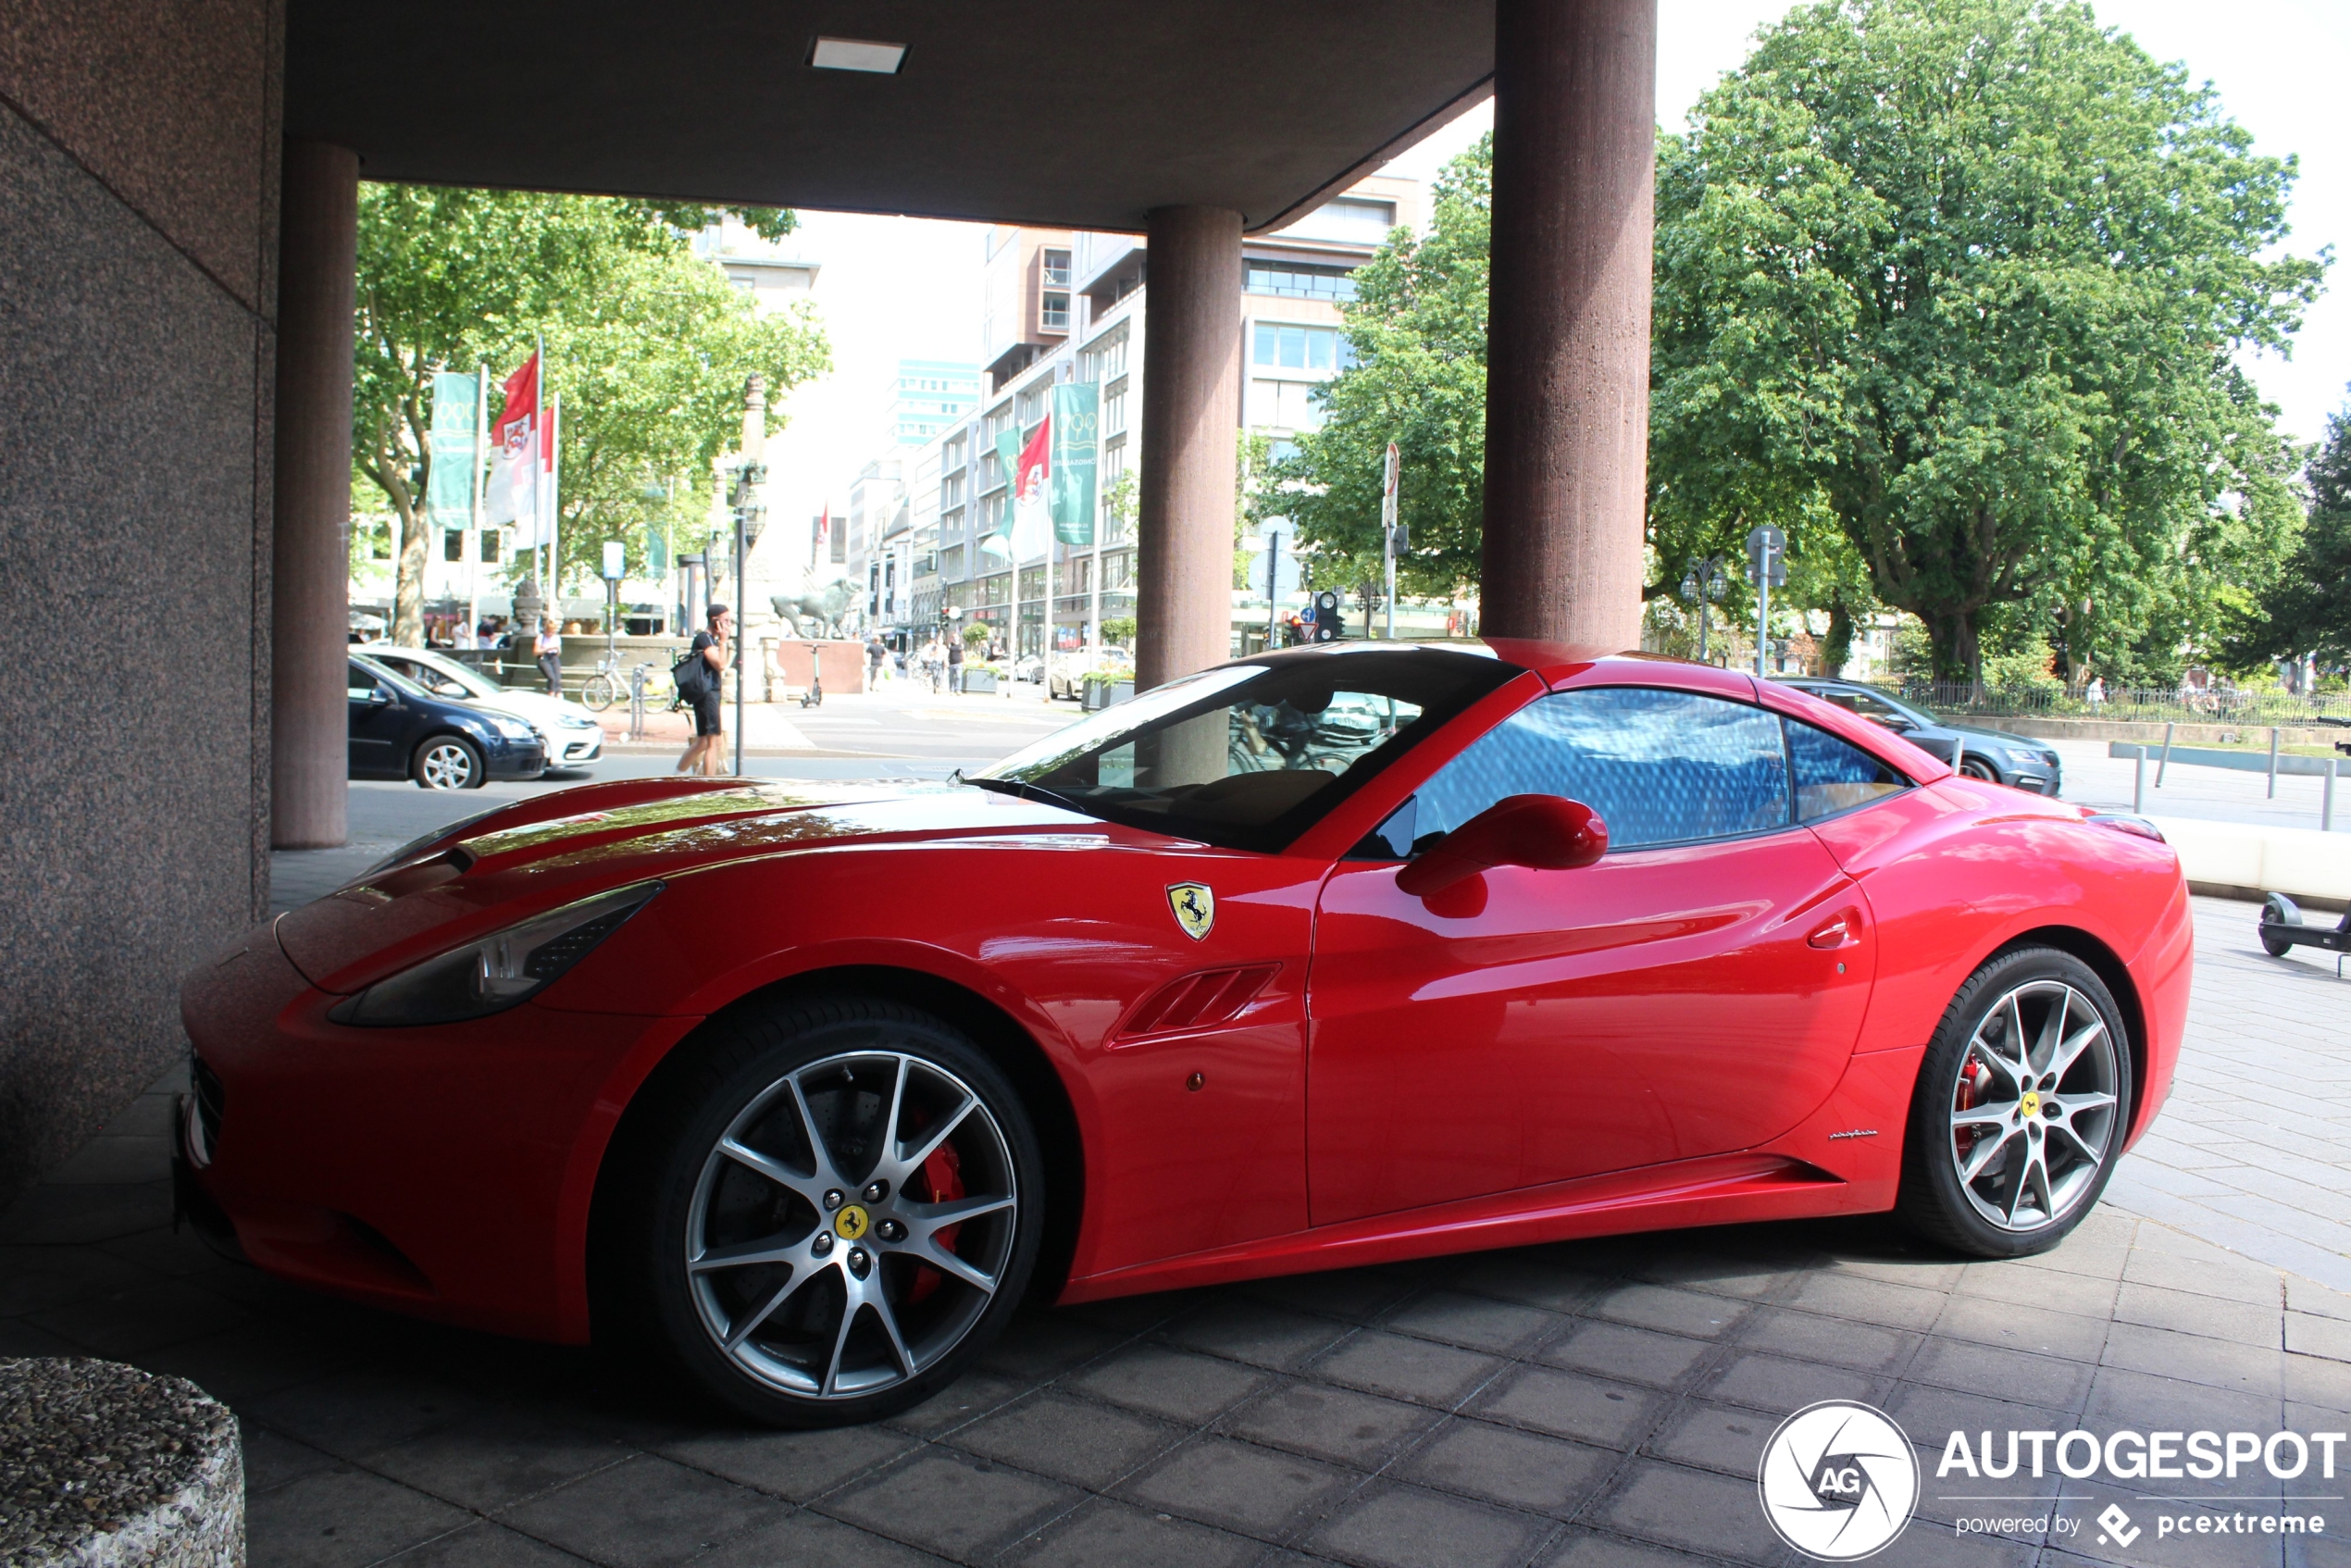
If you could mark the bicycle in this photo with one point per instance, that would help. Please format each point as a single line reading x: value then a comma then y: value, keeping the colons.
x: 605, y: 688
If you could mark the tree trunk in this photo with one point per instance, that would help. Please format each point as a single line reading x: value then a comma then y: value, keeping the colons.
x: 408, y: 596
x: 1837, y: 647
x: 1957, y: 655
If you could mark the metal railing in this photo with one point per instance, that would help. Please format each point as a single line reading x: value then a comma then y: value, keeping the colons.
x: 2157, y: 704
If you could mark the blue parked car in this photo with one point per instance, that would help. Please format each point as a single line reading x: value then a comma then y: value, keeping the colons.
x: 400, y: 731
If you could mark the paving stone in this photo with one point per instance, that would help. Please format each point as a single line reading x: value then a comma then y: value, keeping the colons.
x: 1692, y: 1510
x: 273, y: 1461
x: 1714, y: 1436
x: 1775, y: 1382
x: 644, y: 1513
x: 2145, y: 1402
x: 1720, y: 1273
x: 1520, y: 1469
x: 1040, y: 1345
x: 1239, y: 1487
x: 2010, y: 1374
x: 1929, y: 1413
x: 1479, y: 1323
x: 1107, y: 1532
x: 2308, y: 1334
x: 1175, y: 1384
x: 1589, y: 1549
x: 37, y: 1279
x: 342, y: 1518
x: 1070, y: 1439
x: 1335, y: 1423
x: 1638, y: 1355
x: 805, y: 1539
x: 965, y: 1400
x: 1810, y: 1336
x: 2086, y: 1295
x: 1240, y: 1328
x: 1441, y: 1376
x: 798, y: 1466
x: 1676, y: 1312
x: 952, y: 1505
x: 2223, y: 1365
x: 495, y: 1458
x: 1401, y: 1527
x: 486, y: 1544
x: 1573, y: 1404
x: 122, y: 1323
x: 363, y: 1412
x: 1355, y: 1294
x: 2315, y: 1380
x: 2152, y: 1305
x: 1867, y: 1300
x: 2014, y: 1326
x: 2306, y: 1295
x: 1535, y: 1276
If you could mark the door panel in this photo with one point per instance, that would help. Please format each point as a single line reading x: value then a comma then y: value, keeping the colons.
x: 374, y: 729
x: 1536, y: 1025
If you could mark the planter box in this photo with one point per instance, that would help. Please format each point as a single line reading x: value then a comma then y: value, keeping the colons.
x: 1095, y: 695
x: 978, y: 683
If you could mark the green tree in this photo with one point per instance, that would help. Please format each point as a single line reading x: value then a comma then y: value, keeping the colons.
x: 1417, y: 327
x: 647, y: 344
x: 1974, y: 272
x: 2305, y: 609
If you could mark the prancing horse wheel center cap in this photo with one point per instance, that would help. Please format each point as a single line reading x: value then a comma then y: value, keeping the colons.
x: 852, y: 1222
x: 2028, y: 1106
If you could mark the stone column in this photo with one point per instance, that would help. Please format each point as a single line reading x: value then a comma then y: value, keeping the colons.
x: 310, y: 623
x: 1567, y: 380
x: 1191, y: 442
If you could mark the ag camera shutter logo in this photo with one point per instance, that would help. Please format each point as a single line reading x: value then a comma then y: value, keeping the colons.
x: 1838, y: 1481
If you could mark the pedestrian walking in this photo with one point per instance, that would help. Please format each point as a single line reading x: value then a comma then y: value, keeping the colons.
x: 548, y: 647
x: 955, y: 664
x: 875, y: 652
x: 703, y: 753
x: 2096, y: 692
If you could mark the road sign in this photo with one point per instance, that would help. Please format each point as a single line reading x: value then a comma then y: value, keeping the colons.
x: 1767, y: 568
x: 615, y: 560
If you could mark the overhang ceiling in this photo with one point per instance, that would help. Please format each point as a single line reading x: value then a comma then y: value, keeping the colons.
x: 1069, y: 116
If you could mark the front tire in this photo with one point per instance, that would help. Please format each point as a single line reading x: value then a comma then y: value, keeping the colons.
x: 448, y: 761
x: 838, y: 1208
x: 2021, y: 1108
x: 600, y: 691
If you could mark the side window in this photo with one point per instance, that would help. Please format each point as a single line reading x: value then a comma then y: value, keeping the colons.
x: 1660, y: 767
x: 1833, y: 776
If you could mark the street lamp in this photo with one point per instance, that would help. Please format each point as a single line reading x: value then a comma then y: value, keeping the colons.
x: 1706, y: 580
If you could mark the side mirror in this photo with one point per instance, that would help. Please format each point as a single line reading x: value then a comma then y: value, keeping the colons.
x: 378, y: 697
x: 1547, y: 833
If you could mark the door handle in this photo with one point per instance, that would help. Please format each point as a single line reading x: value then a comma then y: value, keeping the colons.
x: 1836, y: 931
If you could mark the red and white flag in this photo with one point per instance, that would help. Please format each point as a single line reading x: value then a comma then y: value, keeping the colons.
x: 517, y: 458
x: 1032, y: 529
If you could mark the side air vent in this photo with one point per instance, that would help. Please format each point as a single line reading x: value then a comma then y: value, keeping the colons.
x: 1198, y: 1001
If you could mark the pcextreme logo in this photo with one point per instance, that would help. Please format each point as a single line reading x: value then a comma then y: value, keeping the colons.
x: 1837, y: 1481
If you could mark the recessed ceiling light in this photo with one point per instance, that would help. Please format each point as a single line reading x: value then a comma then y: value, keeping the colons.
x: 858, y: 54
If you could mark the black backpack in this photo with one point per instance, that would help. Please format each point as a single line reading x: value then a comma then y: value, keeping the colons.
x: 691, y: 675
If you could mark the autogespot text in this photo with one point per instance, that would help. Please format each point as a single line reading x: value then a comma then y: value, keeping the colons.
x: 2143, y: 1456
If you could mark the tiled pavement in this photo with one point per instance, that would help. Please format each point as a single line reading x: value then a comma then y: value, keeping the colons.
x: 1597, y: 1403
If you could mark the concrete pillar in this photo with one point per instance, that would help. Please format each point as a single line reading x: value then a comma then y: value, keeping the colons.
x: 310, y: 622
x: 1568, y: 356
x: 1191, y: 444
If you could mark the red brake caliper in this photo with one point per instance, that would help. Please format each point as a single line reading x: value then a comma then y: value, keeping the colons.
x: 943, y: 1175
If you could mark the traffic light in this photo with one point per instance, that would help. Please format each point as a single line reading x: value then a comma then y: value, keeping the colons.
x: 1328, y: 617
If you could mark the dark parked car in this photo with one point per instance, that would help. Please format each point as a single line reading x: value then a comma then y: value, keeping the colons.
x: 400, y: 731
x: 1980, y: 752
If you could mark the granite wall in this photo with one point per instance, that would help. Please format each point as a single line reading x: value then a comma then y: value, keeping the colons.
x: 139, y: 179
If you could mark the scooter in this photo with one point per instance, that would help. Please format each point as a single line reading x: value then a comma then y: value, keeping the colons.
x: 814, y: 696
x: 2282, y: 928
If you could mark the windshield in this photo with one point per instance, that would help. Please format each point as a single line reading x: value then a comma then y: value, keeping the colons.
x: 1248, y: 756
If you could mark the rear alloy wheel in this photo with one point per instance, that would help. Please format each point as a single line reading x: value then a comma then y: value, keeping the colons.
x: 449, y: 762
x: 2020, y: 1107
x: 1975, y: 767
x: 848, y: 1220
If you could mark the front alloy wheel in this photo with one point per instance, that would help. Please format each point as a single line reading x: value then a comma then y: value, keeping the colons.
x: 851, y: 1225
x: 2020, y: 1107
x: 447, y: 763
x: 843, y: 1209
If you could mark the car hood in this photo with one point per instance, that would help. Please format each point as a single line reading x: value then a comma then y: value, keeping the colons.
x: 515, y: 864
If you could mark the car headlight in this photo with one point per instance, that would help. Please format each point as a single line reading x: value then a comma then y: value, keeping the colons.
x: 576, y: 721
x: 497, y: 972
x: 513, y: 728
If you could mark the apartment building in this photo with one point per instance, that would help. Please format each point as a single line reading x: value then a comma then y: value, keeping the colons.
x: 1070, y: 307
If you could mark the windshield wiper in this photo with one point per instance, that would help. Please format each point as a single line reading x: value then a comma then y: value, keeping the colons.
x: 1028, y: 791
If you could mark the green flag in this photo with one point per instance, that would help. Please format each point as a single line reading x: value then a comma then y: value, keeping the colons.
x: 449, y: 493
x: 1069, y: 476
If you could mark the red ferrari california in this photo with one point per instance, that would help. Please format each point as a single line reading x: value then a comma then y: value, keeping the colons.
x: 1327, y: 958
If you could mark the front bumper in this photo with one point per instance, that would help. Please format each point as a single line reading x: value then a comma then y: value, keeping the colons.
x: 443, y: 1171
x: 514, y: 759
x: 570, y: 749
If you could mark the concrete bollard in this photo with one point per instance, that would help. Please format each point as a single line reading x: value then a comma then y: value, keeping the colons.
x: 2273, y: 762
x: 2167, y: 756
x: 2326, y: 801
x: 2139, y: 780
x: 106, y: 1466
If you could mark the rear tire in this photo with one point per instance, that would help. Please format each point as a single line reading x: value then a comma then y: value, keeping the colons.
x: 2021, y: 1109
x: 448, y: 761
x: 800, y: 1261
x: 600, y: 691
x: 2278, y: 910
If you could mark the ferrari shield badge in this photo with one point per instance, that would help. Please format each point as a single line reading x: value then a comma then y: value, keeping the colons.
x: 1195, y: 907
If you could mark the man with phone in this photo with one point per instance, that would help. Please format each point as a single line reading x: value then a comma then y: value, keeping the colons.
x: 703, y: 752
